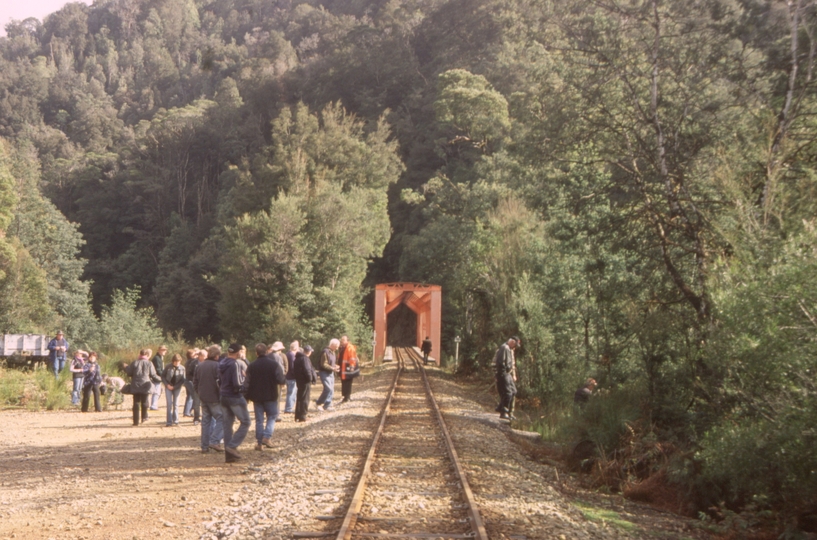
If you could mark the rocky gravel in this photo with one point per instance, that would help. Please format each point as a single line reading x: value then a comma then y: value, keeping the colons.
x: 68, y: 475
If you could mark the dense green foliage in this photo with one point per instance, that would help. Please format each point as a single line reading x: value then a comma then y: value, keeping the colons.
x: 630, y: 187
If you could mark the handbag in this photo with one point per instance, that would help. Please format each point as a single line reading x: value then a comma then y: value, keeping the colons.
x: 126, y: 389
x: 352, y: 370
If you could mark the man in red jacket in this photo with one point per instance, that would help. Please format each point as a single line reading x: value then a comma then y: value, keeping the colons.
x: 347, y: 357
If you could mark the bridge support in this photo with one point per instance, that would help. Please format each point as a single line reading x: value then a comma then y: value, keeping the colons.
x: 424, y: 300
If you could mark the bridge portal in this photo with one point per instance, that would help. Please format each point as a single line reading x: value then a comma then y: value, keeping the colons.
x: 424, y: 300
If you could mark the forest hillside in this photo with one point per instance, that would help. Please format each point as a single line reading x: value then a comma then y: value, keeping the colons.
x: 630, y: 187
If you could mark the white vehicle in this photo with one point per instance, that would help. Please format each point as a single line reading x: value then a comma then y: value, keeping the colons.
x: 24, y: 349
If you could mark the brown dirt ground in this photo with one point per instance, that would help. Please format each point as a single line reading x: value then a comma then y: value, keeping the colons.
x: 72, y: 475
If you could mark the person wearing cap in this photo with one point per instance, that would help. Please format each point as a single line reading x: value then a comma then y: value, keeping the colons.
x: 292, y: 385
x: 76, y: 367
x: 159, y: 365
x: 505, y: 364
x: 347, y: 357
x: 305, y: 377
x: 91, y: 380
x: 231, y: 384
x: 264, y: 377
x: 205, y: 384
x: 275, y: 352
x: 57, y: 348
x: 192, y: 404
x: 327, y: 369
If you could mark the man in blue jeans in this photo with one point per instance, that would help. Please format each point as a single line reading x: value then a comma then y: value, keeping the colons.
x: 292, y: 390
x: 264, y: 378
x: 205, y: 384
x: 57, y: 349
x: 231, y: 382
x: 326, y: 369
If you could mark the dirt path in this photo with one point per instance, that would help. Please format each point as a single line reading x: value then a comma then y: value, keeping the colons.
x: 93, y: 475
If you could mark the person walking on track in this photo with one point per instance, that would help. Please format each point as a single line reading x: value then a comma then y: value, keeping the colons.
x: 426, y: 348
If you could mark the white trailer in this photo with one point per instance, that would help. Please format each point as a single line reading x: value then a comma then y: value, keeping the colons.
x: 24, y: 349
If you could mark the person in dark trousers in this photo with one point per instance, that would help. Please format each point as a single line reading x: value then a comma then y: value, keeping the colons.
x: 76, y: 369
x: 143, y: 377
x: 57, y: 349
x: 582, y: 395
x: 173, y: 377
x: 91, y: 380
x: 347, y: 357
x: 426, y: 348
x: 205, y: 383
x: 305, y: 376
x: 159, y: 366
x: 505, y: 364
x: 192, y: 403
x: 231, y: 373
x: 264, y: 377
x: 327, y: 367
x: 292, y: 385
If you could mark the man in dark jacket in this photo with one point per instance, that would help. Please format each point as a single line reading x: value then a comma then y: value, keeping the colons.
x: 143, y: 377
x: 292, y: 385
x: 159, y: 366
x: 304, y: 377
x: 426, y: 348
x: 505, y: 364
x: 192, y: 405
x: 264, y: 377
x: 231, y: 384
x: 205, y: 384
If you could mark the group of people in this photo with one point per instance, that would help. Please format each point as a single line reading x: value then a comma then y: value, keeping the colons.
x: 219, y: 386
x: 86, y: 376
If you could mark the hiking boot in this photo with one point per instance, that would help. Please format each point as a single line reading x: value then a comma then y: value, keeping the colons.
x: 511, y: 416
x: 217, y: 447
x: 259, y: 447
x: 504, y: 416
x: 267, y: 443
x: 231, y: 455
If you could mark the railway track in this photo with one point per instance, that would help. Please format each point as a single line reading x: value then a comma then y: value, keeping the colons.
x: 411, y: 485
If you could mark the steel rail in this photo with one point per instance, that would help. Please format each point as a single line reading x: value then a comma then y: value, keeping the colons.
x: 473, y: 511
x: 345, y: 532
x: 353, y: 513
